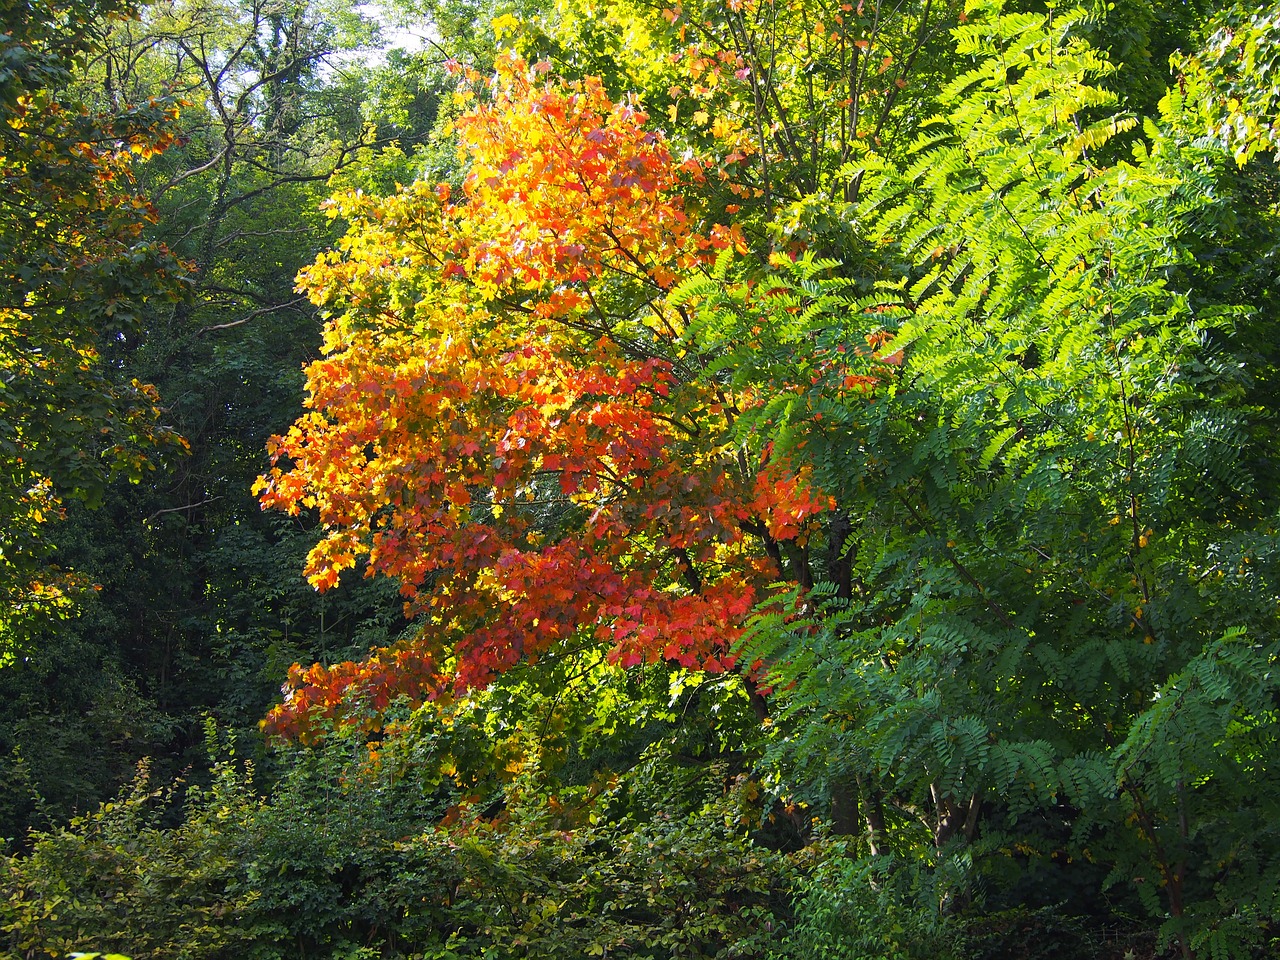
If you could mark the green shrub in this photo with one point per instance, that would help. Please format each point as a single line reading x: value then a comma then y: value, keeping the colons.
x: 345, y: 859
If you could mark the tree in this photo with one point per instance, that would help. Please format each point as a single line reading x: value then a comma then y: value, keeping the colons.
x: 78, y: 274
x: 504, y: 422
x: 273, y: 115
x: 1232, y: 83
x: 199, y: 607
x: 1047, y: 627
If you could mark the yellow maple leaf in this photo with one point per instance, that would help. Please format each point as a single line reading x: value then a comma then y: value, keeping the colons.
x: 505, y: 24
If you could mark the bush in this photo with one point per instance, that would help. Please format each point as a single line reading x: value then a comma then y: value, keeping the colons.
x: 344, y: 859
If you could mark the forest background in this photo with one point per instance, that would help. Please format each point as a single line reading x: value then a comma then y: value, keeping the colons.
x: 812, y: 467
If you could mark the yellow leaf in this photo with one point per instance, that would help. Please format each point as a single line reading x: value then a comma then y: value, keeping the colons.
x: 505, y: 24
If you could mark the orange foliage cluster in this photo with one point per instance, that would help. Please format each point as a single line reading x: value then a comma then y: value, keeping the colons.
x: 502, y: 419
x: 359, y: 691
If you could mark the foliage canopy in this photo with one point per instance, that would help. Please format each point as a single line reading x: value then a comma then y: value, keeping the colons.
x: 829, y: 428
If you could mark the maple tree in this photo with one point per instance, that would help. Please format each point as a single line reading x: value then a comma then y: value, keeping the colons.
x: 505, y: 421
x: 77, y: 271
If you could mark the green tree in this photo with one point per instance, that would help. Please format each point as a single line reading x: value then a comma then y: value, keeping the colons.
x: 1050, y: 596
x: 78, y: 274
x: 200, y: 606
x: 1231, y: 81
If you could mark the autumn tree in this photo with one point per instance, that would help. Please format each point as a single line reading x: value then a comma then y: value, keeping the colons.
x: 1231, y: 81
x: 505, y: 420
